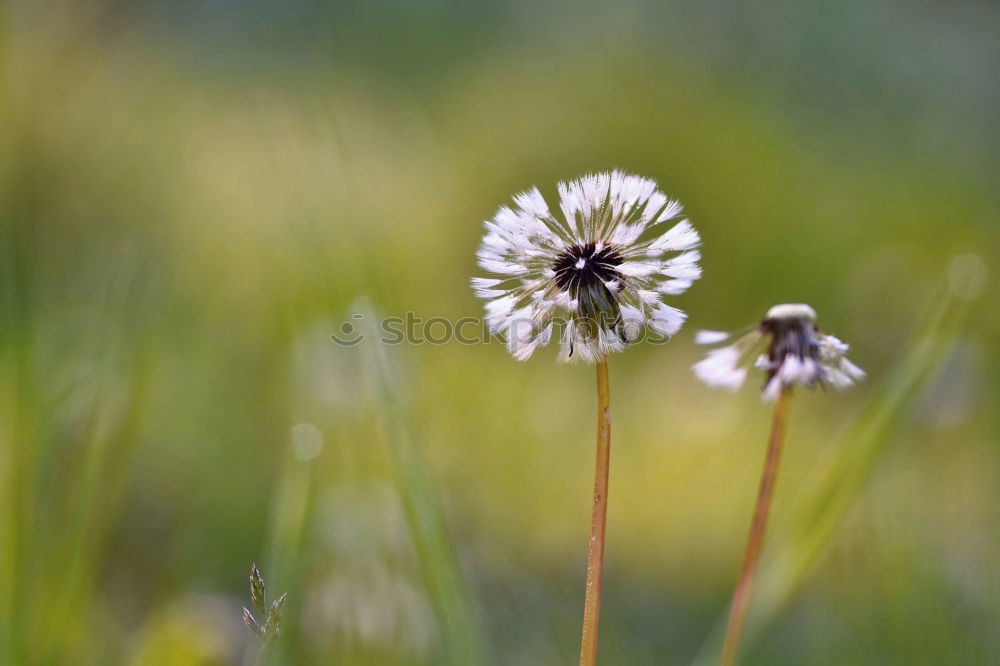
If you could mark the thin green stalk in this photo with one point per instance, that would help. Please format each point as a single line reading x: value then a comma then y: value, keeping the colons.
x: 462, y: 636
x: 598, y: 522
x: 741, y: 597
x: 264, y: 654
x: 291, y: 507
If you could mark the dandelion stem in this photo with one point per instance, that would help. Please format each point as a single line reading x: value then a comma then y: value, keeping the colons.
x: 741, y: 597
x: 595, y: 551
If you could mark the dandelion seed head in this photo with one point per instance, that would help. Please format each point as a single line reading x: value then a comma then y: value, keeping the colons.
x: 602, y: 269
x: 788, y: 346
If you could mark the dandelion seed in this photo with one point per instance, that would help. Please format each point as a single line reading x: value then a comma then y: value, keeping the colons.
x: 602, y: 268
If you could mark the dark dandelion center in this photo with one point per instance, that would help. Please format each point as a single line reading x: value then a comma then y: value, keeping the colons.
x: 789, y: 337
x: 597, y: 267
x: 582, y: 270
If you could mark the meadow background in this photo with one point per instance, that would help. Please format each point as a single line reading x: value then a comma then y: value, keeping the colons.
x: 195, y: 195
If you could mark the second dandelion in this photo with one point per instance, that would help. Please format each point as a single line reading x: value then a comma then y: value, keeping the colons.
x: 789, y: 347
x: 600, y: 273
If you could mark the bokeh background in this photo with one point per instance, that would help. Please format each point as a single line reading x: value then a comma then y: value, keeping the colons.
x: 196, y: 194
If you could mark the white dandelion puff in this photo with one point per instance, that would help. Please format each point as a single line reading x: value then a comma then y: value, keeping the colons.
x: 788, y: 346
x: 600, y: 271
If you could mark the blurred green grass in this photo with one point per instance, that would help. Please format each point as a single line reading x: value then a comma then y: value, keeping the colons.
x: 185, y: 224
